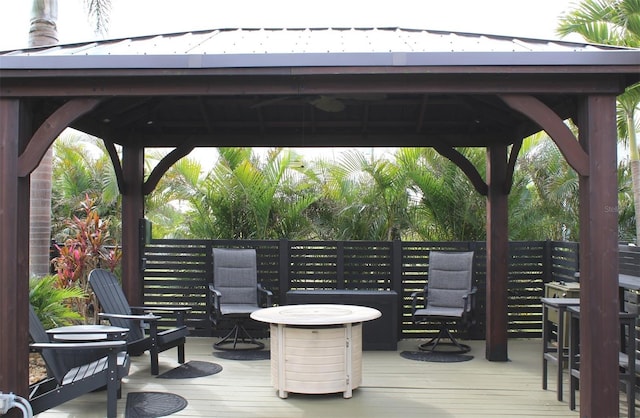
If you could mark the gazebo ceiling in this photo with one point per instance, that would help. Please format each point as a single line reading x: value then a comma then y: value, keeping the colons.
x: 361, y: 119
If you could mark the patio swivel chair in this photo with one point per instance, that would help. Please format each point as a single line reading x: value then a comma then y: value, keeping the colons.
x: 115, y: 308
x: 234, y: 294
x: 69, y: 382
x: 448, y: 299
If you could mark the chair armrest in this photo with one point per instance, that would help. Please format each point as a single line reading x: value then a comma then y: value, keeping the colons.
x: 170, y: 309
x: 469, y: 304
x: 179, y: 311
x: 469, y: 299
x: 414, y: 299
x: 215, y: 291
x: 267, y: 293
x: 145, y: 317
x: 81, y: 346
x: 213, y: 300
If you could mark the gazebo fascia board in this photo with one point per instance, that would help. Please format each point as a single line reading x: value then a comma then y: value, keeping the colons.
x: 452, y: 98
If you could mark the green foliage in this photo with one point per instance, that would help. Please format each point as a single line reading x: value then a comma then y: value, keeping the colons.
x: 53, y: 304
x: 82, y: 168
x: 244, y: 198
x: 614, y: 22
x: 368, y: 198
x: 89, y: 246
x: 447, y: 205
x: 415, y: 194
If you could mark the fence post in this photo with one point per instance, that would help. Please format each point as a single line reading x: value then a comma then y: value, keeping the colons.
x: 396, y: 266
x: 396, y: 280
x: 340, y: 265
x: 547, y: 261
x: 283, y: 267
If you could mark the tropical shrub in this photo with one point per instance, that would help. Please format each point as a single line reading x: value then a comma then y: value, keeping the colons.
x: 90, y: 246
x: 52, y: 303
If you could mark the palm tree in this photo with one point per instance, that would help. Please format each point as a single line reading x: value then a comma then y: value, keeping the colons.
x: 544, y: 199
x: 43, y: 31
x: 448, y: 207
x: 364, y: 199
x: 245, y: 198
x: 614, y: 22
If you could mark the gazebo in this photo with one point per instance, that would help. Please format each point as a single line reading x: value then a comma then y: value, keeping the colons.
x: 326, y: 87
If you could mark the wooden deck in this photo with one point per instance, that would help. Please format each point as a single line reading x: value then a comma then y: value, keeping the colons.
x: 392, y: 387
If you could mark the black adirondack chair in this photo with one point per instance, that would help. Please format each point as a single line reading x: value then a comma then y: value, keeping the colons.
x: 69, y: 382
x: 116, y: 309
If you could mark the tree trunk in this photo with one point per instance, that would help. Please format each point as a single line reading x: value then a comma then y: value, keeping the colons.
x: 635, y: 181
x: 634, y: 163
x: 42, y: 31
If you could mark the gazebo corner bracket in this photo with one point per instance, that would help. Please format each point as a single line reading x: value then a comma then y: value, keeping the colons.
x: 554, y: 126
x: 465, y: 165
x: 165, y: 164
x: 50, y: 129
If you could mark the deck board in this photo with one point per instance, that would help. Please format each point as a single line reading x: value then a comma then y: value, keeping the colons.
x: 392, y: 387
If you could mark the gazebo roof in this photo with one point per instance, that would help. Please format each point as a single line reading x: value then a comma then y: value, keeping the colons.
x: 317, y: 86
x: 297, y: 47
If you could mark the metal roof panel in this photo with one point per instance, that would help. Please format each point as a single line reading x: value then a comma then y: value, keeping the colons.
x: 263, y: 47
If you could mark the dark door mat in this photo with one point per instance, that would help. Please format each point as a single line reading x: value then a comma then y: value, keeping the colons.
x: 243, y: 355
x: 435, y: 357
x: 192, y: 369
x: 153, y: 404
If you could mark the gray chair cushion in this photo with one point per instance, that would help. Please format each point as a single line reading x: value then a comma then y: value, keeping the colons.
x: 235, y: 275
x: 450, y: 279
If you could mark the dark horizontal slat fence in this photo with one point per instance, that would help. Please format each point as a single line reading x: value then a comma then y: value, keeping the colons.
x: 177, y: 272
x: 629, y: 264
x: 629, y: 257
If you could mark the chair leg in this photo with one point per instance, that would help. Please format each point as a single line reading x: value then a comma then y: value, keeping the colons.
x: 155, y: 369
x: 112, y: 384
x: 181, y: 354
x: 444, y: 333
x: 238, y: 334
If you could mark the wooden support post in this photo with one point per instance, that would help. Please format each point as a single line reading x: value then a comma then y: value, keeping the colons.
x: 599, y: 304
x: 14, y: 255
x: 497, y: 255
x: 132, y: 212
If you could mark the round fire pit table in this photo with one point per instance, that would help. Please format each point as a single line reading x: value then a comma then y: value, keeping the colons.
x: 316, y: 348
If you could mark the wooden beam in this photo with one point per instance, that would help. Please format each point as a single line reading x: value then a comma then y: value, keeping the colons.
x: 49, y: 131
x: 14, y: 288
x: 497, y: 255
x: 132, y: 212
x: 310, y: 139
x: 555, y: 128
x: 599, y: 301
x: 314, y: 81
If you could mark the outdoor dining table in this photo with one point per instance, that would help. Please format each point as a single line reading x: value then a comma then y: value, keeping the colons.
x: 316, y: 348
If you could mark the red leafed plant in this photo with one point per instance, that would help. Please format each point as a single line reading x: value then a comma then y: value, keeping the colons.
x: 91, y: 247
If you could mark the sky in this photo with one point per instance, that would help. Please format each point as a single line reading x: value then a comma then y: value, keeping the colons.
x: 128, y: 18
